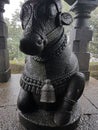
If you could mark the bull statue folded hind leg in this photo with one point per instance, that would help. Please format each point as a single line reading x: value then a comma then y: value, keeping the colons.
x: 51, y: 79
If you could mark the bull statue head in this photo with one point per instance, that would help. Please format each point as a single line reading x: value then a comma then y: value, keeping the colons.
x: 42, y: 22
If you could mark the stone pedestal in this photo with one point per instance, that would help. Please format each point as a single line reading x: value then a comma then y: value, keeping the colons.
x: 4, y: 55
x: 43, y: 120
x: 82, y: 34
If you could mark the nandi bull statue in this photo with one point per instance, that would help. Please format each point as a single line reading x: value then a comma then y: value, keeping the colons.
x: 51, y: 83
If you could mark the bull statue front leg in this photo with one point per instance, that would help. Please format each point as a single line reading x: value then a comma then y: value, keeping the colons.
x: 74, y: 92
x: 25, y: 102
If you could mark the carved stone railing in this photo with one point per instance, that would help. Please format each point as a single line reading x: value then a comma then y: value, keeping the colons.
x: 82, y: 33
x: 4, y: 56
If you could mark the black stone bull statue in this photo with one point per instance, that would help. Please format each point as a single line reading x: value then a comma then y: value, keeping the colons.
x: 51, y: 79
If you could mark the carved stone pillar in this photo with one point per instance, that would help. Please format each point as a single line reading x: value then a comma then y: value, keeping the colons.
x: 82, y: 34
x: 4, y: 58
x: 70, y: 2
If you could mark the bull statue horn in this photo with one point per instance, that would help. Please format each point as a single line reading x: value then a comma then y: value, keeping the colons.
x: 48, y: 93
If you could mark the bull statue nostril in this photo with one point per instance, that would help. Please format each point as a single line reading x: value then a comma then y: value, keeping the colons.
x: 39, y: 44
x: 45, y: 42
x: 30, y: 47
x: 40, y: 41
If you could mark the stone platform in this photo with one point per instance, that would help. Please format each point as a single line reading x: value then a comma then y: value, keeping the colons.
x: 9, y: 119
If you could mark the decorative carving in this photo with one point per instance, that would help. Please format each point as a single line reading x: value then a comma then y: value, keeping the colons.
x: 81, y: 34
x: 51, y: 70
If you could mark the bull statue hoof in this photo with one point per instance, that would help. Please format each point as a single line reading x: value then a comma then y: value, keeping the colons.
x: 51, y: 83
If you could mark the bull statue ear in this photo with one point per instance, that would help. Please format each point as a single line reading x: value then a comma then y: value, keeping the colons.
x: 66, y: 19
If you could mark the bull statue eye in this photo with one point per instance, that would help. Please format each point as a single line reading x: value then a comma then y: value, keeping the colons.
x: 25, y: 14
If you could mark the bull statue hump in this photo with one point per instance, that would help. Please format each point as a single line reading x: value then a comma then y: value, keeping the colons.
x: 51, y: 83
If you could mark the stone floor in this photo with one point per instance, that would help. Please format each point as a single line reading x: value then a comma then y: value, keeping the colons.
x: 9, y: 114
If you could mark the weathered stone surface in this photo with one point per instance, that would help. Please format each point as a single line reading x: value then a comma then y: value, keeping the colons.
x: 6, y: 1
x: 81, y: 41
x: 83, y: 59
x: 3, y: 30
x: 5, y: 71
x: 3, y: 40
x: 88, y: 122
x: 4, y: 64
x: 9, y: 91
x: 70, y: 2
x: 87, y: 107
x: 9, y: 119
x: 94, y: 2
x: 5, y: 75
x: 91, y: 93
x: 45, y: 120
x: 82, y: 33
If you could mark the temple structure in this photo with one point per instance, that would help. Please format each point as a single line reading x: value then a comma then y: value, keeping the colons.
x: 82, y: 34
x: 4, y: 56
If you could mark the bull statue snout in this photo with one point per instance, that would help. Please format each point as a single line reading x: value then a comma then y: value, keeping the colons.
x: 34, y: 45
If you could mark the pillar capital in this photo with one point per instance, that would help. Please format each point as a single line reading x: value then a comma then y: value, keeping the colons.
x: 4, y: 1
x: 70, y: 2
x: 81, y: 33
x: 83, y: 8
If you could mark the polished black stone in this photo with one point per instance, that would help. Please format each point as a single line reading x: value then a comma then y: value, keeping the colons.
x: 51, y: 81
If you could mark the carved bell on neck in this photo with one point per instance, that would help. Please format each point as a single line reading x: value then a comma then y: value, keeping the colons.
x: 48, y: 93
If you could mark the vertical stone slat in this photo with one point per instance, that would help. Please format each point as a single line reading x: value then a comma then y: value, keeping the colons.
x: 82, y: 34
x: 5, y: 71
